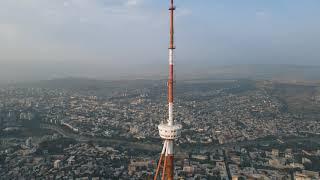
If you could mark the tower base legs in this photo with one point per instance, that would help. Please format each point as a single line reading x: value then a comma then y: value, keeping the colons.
x: 169, y: 167
x: 167, y: 159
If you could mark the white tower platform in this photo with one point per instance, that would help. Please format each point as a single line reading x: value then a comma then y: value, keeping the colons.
x: 170, y: 132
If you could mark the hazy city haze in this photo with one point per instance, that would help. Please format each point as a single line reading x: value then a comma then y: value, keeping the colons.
x: 45, y: 39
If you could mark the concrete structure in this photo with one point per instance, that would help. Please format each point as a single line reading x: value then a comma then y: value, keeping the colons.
x: 57, y: 164
x: 29, y: 142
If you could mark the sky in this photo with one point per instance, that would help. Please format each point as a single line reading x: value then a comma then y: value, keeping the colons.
x: 45, y: 39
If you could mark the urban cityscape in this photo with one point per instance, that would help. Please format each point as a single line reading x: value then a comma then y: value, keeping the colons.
x: 232, y: 128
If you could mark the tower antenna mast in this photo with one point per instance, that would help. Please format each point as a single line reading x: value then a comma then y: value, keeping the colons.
x: 169, y: 131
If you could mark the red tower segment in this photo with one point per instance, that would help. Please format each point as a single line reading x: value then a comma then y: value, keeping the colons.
x: 171, y: 48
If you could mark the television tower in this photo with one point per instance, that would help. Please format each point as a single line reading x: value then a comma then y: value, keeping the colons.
x: 169, y: 131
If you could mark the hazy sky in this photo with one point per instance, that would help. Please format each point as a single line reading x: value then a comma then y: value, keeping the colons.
x: 44, y: 39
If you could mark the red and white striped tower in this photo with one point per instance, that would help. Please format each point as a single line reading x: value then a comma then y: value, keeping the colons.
x: 169, y: 131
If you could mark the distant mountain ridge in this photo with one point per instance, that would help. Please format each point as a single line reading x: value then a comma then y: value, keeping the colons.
x: 261, y: 72
x: 255, y: 72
